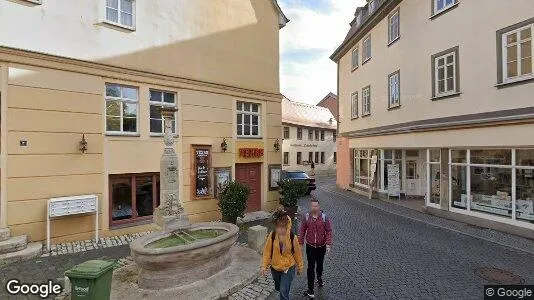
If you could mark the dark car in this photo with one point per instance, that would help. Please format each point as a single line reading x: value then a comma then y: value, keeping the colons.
x: 300, y: 175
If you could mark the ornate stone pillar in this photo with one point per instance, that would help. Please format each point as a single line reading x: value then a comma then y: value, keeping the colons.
x: 169, y: 214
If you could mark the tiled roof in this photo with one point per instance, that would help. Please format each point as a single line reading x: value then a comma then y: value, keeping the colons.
x: 303, y: 114
x: 330, y: 95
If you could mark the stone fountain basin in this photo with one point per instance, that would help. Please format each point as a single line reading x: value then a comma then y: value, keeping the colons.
x: 183, y: 264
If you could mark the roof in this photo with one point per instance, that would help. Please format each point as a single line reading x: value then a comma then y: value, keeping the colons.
x: 330, y: 95
x: 307, y: 115
x: 282, y: 19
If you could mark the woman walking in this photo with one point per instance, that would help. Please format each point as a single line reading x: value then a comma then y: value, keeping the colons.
x: 282, y: 252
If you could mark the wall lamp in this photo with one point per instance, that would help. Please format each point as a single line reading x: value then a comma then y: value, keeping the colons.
x: 224, y: 145
x: 277, y: 145
x: 83, y: 144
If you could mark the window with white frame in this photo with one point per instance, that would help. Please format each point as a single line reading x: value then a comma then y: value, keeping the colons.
x: 310, y: 135
x: 394, y: 89
x: 286, y: 132
x: 366, y: 49
x: 517, y: 53
x: 299, y: 133
x: 286, y: 158
x: 446, y: 70
x: 248, y: 119
x: 393, y: 26
x: 355, y: 58
x: 434, y: 176
x: 362, y: 167
x: 366, y: 101
x: 158, y: 100
x: 372, y: 6
x: 121, y: 108
x: 354, y: 105
x: 442, y: 5
x: 120, y: 12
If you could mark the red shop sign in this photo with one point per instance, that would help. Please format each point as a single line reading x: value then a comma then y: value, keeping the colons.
x: 251, y: 152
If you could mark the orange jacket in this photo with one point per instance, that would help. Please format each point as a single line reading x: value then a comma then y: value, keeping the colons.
x: 285, y: 260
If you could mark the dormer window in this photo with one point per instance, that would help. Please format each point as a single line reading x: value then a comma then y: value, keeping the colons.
x: 372, y: 6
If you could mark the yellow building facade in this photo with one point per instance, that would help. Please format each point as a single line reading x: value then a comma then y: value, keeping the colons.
x: 100, y: 72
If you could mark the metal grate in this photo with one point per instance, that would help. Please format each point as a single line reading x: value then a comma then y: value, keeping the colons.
x: 498, y: 276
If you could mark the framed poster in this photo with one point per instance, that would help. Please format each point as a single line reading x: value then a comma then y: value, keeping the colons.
x: 221, y: 177
x: 393, y: 180
x: 200, y: 171
x: 275, y: 173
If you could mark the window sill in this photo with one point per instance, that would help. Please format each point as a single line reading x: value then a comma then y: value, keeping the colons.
x: 119, y: 25
x: 394, y: 107
x: 445, y: 96
x: 125, y: 134
x: 515, y: 82
x: 244, y: 137
x: 354, y: 69
x: 125, y: 224
x: 353, y: 118
x: 160, y: 135
x: 365, y: 61
x: 439, y: 13
x: 393, y: 41
x: 366, y: 115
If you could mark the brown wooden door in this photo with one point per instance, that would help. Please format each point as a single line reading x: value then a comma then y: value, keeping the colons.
x: 250, y: 174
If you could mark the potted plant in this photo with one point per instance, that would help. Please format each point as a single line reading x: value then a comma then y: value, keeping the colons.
x: 233, y: 201
x: 290, y: 191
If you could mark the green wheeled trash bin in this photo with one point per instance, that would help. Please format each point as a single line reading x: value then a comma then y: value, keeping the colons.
x: 91, y: 280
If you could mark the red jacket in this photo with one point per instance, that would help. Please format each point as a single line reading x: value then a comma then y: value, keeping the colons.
x: 317, y: 232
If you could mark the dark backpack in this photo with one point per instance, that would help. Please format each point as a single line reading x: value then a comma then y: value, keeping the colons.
x: 291, y: 237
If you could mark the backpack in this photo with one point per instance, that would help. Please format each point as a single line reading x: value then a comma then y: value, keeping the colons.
x: 323, y: 216
x: 291, y: 236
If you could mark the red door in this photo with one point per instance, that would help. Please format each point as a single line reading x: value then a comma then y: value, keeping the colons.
x: 250, y: 174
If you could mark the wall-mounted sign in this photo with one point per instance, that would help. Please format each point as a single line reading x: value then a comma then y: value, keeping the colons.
x: 222, y: 176
x: 201, y: 171
x: 275, y: 172
x: 251, y: 152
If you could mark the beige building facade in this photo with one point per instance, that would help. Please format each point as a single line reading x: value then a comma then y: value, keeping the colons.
x: 99, y: 71
x: 443, y: 89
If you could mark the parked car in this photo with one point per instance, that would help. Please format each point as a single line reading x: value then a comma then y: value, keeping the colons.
x: 300, y: 175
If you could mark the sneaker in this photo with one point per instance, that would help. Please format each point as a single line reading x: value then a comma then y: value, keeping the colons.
x: 320, y: 282
x: 309, y: 294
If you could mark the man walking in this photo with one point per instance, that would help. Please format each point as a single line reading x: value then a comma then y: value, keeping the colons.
x: 316, y: 232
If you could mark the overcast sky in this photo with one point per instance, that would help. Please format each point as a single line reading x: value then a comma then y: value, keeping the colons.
x: 316, y: 28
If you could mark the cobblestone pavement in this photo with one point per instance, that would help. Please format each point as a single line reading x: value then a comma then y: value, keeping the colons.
x: 385, y: 251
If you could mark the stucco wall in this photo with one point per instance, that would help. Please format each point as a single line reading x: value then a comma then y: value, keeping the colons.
x: 472, y: 27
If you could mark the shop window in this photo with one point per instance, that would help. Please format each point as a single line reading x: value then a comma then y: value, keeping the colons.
x: 362, y: 167
x: 286, y: 158
x: 434, y: 174
x: 133, y: 197
x: 299, y: 158
x: 459, y: 156
x: 248, y: 119
x: 121, y: 109
x: 286, y: 132
x: 492, y: 156
x: 491, y: 190
x: 525, y: 185
x: 299, y: 133
x: 458, y: 183
x: 159, y: 99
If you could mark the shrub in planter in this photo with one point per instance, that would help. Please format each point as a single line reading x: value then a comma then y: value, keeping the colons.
x: 233, y: 201
x: 290, y: 192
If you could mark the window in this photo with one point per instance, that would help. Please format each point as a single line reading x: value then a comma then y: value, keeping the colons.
x: 120, y: 12
x: 310, y: 157
x: 133, y: 197
x: 316, y: 135
x: 372, y: 6
x: 355, y: 58
x: 446, y: 73
x: 393, y: 27
x: 310, y: 135
x: 362, y: 167
x: 354, y: 105
x: 366, y: 49
x: 335, y: 157
x: 366, y: 101
x: 248, y: 119
x: 334, y: 136
x: 286, y: 158
x: 121, y: 109
x: 316, y: 157
x: 442, y: 5
x: 286, y: 132
x: 517, y: 53
x: 159, y: 99
x: 434, y: 176
x: 322, y: 157
x: 299, y: 158
x: 322, y: 135
x: 299, y: 133
x: 394, y: 89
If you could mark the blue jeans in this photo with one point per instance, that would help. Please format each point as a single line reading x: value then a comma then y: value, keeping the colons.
x: 282, y: 281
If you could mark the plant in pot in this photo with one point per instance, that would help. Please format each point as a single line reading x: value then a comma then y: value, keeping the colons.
x: 290, y: 191
x: 233, y: 201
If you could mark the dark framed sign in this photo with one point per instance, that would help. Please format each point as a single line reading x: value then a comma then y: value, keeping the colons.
x: 200, y: 171
x: 275, y: 174
x: 221, y: 178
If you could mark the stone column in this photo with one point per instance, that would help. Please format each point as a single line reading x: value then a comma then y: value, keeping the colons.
x: 169, y: 214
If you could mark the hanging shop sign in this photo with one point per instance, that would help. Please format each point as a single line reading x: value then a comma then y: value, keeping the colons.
x: 251, y: 152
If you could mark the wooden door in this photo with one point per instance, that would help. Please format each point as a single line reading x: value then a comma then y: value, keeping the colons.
x: 250, y: 174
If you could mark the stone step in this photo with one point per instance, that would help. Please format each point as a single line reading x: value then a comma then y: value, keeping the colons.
x: 13, y: 244
x: 5, y: 234
x: 32, y: 250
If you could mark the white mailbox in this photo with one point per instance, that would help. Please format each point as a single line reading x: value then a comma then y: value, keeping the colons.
x: 67, y: 206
